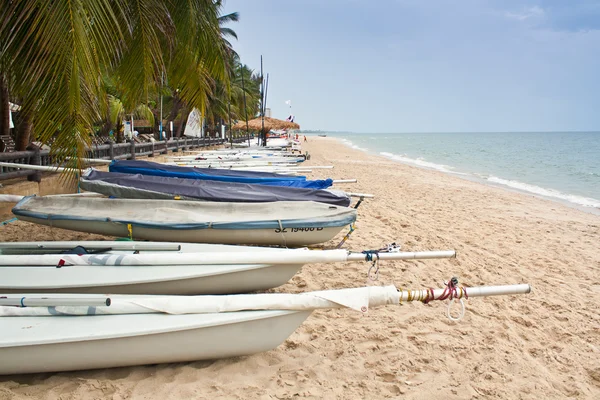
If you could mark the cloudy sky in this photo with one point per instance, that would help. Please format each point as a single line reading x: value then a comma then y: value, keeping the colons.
x: 427, y: 65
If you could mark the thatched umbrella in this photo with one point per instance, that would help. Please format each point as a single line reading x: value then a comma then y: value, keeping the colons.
x: 270, y: 123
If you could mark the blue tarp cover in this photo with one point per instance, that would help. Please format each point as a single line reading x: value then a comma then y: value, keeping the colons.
x: 139, y: 186
x: 214, y: 174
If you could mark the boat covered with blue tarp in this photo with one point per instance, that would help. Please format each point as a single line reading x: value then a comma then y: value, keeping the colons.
x: 138, y: 186
x: 214, y: 174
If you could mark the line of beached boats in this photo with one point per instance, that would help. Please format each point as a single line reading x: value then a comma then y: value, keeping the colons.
x: 179, y: 295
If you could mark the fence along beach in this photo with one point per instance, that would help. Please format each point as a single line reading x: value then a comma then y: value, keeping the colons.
x: 538, y: 345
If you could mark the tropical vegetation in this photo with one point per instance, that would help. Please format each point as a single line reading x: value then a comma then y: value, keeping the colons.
x: 78, y: 68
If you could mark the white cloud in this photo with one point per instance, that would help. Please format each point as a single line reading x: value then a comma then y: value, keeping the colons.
x: 530, y: 12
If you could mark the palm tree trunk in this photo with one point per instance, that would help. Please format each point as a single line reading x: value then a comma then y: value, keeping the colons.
x: 184, y: 117
x: 105, y: 129
x: 24, y: 131
x: 174, y: 110
x: 119, y: 134
x: 4, y: 107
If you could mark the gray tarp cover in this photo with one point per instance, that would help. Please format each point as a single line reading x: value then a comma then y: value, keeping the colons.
x: 158, y: 187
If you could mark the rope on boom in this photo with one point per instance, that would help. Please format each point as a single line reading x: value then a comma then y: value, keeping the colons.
x: 375, y: 264
x: 451, y: 291
x: 389, y: 248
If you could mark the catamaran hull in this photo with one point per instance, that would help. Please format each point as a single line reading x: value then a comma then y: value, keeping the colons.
x: 288, y: 237
x: 64, y: 343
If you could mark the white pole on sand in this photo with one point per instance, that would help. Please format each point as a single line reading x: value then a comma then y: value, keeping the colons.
x: 10, y: 198
x: 33, y: 167
x: 321, y: 166
x: 53, y: 302
x: 96, y: 160
x: 360, y: 299
x: 345, y: 181
x: 113, y: 245
x: 298, y: 256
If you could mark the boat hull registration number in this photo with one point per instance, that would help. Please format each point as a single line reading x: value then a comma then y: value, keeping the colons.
x: 293, y: 230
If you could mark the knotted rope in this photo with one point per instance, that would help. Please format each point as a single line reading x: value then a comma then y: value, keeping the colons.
x: 451, y: 291
x: 374, y: 263
x: 373, y: 273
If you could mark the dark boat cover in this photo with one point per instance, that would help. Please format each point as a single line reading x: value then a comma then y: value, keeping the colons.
x: 137, y: 186
x: 213, y: 174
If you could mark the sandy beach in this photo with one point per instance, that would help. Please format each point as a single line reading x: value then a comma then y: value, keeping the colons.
x: 542, y: 345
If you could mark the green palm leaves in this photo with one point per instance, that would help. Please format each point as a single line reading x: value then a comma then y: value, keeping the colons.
x: 54, y: 55
x: 53, y: 50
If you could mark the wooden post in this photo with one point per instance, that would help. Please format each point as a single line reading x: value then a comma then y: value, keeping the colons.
x: 36, y: 160
x: 132, y: 146
x: 111, y: 149
x: 152, y: 155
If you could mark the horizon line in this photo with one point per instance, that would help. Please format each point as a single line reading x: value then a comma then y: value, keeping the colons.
x: 425, y: 132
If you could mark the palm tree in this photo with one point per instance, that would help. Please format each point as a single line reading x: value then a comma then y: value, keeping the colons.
x: 225, y: 31
x: 4, y: 105
x: 57, y: 50
x: 226, y: 101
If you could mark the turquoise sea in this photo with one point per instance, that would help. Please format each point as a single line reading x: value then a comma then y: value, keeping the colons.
x: 560, y: 166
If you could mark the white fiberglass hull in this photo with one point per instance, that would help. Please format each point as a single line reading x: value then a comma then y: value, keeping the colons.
x: 286, y: 237
x: 164, y: 279
x: 285, y: 223
x: 66, y: 343
x: 150, y: 279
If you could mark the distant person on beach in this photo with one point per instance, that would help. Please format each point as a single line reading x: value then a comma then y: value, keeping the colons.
x: 305, y: 138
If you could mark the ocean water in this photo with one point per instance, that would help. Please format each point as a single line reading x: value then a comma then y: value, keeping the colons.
x: 560, y: 166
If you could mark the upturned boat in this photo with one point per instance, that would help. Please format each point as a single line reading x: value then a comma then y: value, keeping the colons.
x: 285, y: 223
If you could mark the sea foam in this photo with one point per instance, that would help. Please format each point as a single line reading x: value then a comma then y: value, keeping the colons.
x: 421, y: 163
x: 352, y: 145
x: 579, y: 200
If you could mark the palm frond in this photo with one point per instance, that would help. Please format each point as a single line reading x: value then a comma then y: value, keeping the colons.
x: 116, y: 110
x: 142, y: 64
x: 228, y: 32
x: 56, y: 50
x: 232, y: 17
x: 144, y: 112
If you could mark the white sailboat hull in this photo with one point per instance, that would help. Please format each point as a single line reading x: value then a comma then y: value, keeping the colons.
x: 150, y: 279
x: 287, y: 223
x: 66, y: 343
x: 287, y: 237
x: 164, y: 279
